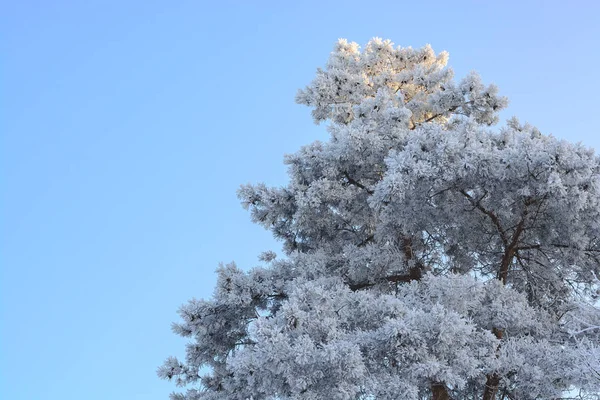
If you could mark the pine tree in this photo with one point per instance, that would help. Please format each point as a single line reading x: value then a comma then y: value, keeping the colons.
x: 427, y: 255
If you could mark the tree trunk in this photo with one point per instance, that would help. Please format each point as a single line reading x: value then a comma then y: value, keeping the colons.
x: 492, y: 382
x: 439, y: 391
x: 491, y: 387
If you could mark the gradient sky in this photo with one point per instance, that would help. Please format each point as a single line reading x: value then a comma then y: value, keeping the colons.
x: 127, y: 126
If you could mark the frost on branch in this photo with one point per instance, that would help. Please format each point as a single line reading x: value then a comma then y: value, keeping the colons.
x: 426, y: 256
x: 515, y: 204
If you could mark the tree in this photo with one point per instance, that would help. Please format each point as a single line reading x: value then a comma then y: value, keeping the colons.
x: 426, y: 255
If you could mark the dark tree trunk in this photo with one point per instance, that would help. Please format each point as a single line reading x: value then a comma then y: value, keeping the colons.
x: 439, y: 391
x: 492, y: 382
x: 491, y: 387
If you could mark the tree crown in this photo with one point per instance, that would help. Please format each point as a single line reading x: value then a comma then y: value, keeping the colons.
x: 426, y: 255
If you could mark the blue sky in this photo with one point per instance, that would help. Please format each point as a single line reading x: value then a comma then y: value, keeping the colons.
x: 127, y: 126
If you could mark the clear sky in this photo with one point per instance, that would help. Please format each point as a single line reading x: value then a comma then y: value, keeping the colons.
x: 127, y: 126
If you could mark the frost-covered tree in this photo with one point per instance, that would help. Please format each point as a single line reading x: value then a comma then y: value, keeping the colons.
x: 427, y: 256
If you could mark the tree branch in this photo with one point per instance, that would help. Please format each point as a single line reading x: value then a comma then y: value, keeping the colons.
x: 414, y: 274
x: 356, y: 183
x: 490, y: 214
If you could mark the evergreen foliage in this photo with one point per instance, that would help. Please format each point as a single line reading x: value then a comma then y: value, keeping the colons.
x: 427, y: 256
